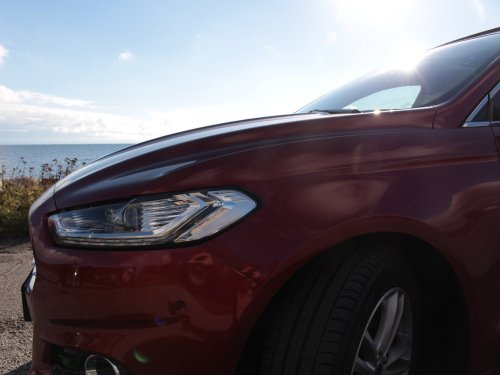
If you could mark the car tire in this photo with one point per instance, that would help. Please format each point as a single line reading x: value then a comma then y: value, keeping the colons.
x: 355, y: 311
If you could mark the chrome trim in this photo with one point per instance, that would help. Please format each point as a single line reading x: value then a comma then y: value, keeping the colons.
x: 492, y: 94
x: 495, y: 90
x: 469, y: 123
x: 476, y: 124
x: 32, y: 278
x: 92, y: 363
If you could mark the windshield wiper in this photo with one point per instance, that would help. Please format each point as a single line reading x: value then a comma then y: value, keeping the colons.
x: 336, y: 111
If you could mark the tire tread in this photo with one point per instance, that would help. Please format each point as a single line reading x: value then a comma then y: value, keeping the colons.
x: 313, y: 317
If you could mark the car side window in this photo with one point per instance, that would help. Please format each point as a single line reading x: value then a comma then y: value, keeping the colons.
x: 480, y: 116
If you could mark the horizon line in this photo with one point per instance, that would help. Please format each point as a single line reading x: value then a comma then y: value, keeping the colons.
x: 63, y: 144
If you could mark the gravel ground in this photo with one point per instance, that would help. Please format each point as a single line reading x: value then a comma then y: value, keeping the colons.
x: 15, y: 333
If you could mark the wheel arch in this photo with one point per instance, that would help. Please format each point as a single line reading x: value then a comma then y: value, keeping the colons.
x: 445, y: 301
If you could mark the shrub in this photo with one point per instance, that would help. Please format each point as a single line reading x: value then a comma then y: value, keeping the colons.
x: 19, y: 189
x: 16, y: 197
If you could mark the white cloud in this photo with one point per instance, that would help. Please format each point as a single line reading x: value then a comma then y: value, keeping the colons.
x: 271, y: 49
x: 30, y: 117
x: 8, y: 95
x: 4, y: 52
x: 126, y: 55
x: 47, y: 118
x: 56, y: 100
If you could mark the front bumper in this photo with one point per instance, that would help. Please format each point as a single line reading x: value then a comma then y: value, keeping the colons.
x: 181, y: 311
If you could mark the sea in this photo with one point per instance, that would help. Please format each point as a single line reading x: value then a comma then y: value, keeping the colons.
x: 28, y: 159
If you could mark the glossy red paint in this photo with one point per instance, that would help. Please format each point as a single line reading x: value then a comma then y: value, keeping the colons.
x: 321, y: 180
x: 155, y: 310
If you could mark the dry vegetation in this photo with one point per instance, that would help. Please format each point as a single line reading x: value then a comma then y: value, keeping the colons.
x: 20, y: 187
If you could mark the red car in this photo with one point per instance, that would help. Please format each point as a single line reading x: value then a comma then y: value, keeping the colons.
x: 360, y: 235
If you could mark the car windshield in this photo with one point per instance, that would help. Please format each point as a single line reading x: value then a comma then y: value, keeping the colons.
x: 436, y: 77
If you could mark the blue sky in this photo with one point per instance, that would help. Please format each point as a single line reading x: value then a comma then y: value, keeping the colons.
x: 126, y: 71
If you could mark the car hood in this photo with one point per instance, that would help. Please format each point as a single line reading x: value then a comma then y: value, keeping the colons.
x: 128, y: 171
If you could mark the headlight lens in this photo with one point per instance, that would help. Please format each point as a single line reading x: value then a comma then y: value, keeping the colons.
x: 147, y: 221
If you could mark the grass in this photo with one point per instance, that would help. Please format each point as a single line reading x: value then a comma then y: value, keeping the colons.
x: 20, y: 187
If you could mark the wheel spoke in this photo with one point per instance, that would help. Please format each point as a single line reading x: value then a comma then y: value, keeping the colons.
x: 365, y: 362
x: 386, y: 344
x: 398, y: 371
x: 391, y: 312
x: 368, y: 347
x: 400, y: 351
x: 362, y: 367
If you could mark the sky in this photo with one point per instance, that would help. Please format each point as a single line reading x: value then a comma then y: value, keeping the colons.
x: 126, y: 71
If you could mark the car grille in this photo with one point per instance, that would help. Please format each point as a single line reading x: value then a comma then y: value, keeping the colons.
x: 67, y: 361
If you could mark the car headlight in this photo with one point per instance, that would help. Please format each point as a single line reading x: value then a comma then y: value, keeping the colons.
x: 177, y: 218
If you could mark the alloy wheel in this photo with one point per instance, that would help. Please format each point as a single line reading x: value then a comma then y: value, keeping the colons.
x: 386, y: 344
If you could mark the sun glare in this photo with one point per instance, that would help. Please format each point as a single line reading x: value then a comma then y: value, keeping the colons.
x: 406, y: 57
x: 381, y: 11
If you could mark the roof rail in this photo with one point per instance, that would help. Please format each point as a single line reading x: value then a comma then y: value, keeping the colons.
x: 486, y: 32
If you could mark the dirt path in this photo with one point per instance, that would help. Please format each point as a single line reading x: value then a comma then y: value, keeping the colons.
x: 15, y: 333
